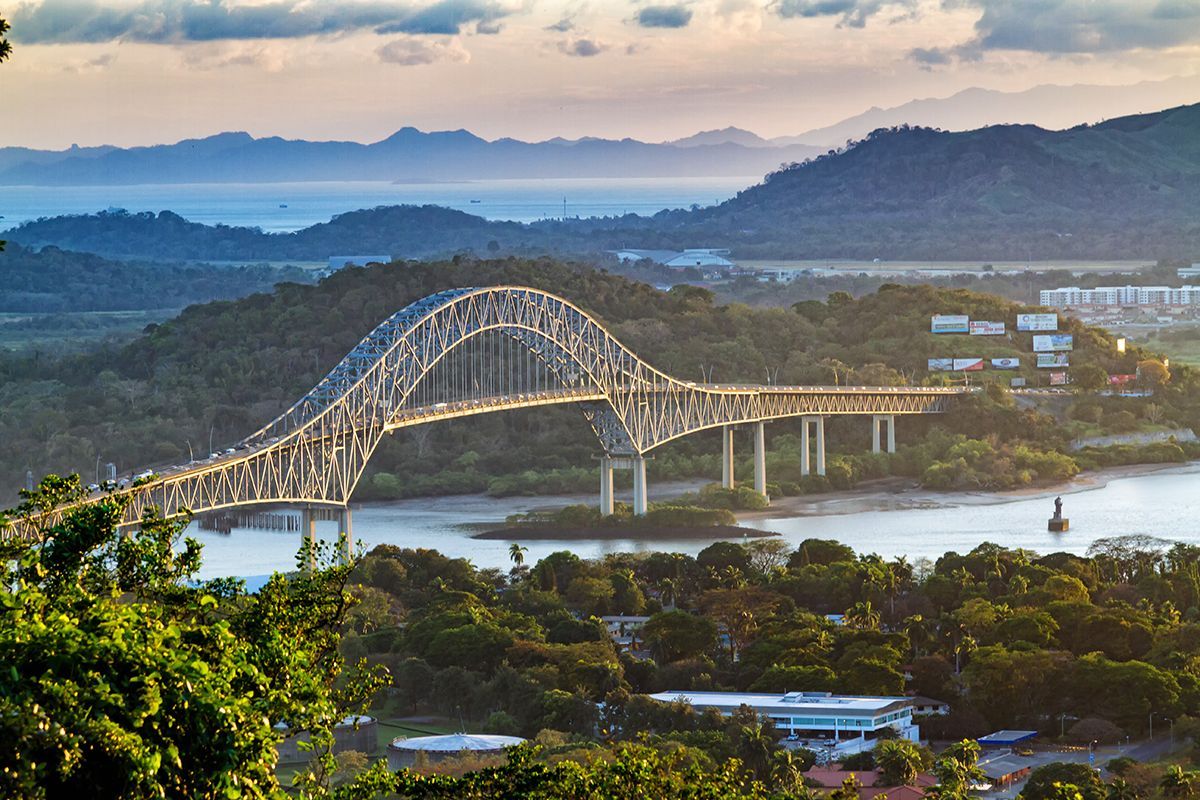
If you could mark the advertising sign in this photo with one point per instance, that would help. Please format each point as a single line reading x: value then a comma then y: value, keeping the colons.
x: 1017, y: 383
x: 968, y: 364
x: 941, y: 364
x: 1121, y: 380
x: 1006, y: 363
x: 1037, y: 322
x: 949, y: 323
x: 1058, y: 379
x: 1053, y: 343
x: 987, y: 328
x: 1053, y: 360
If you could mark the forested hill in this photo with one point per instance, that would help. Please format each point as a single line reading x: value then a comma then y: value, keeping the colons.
x: 227, y: 367
x: 55, y: 280
x: 1128, y: 188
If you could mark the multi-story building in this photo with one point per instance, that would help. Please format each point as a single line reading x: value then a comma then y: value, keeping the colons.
x: 843, y: 724
x: 1073, y: 296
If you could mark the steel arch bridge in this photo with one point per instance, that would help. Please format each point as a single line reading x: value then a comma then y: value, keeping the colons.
x: 472, y: 351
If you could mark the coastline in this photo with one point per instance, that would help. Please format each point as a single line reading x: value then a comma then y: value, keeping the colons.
x: 619, y: 533
x: 896, y: 494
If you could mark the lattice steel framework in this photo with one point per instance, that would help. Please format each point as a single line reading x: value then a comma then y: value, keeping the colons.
x: 316, y: 451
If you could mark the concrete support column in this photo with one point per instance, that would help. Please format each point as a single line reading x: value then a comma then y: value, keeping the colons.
x: 875, y: 418
x: 727, y: 456
x: 891, y: 434
x: 308, y: 535
x: 760, y: 459
x: 805, y: 446
x: 820, y: 445
x: 639, y: 486
x: 346, y: 527
x: 606, y: 485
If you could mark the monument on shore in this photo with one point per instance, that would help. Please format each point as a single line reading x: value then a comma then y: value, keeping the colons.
x: 1058, y: 523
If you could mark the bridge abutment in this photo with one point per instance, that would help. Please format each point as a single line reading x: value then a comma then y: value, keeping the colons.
x: 639, y: 486
x: 606, y: 486
x: 308, y: 534
x: 635, y: 463
x: 346, y: 529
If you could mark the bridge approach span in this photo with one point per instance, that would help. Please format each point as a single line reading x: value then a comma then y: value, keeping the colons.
x: 471, y: 351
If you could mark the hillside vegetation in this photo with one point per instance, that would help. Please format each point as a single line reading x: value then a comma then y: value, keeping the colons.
x: 53, y: 280
x: 1125, y: 188
x: 220, y: 370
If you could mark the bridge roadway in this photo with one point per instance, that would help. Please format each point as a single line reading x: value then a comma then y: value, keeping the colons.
x: 467, y: 352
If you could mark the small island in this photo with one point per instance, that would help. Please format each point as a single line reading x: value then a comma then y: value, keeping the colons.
x: 662, y: 521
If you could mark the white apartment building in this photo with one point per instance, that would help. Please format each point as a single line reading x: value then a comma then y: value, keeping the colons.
x: 1073, y: 296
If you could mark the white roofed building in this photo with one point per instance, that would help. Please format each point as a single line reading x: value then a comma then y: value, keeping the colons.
x: 707, y: 257
x: 843, y: 724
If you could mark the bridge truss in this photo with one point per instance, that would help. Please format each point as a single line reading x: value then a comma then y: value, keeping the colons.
x: 464, y: 352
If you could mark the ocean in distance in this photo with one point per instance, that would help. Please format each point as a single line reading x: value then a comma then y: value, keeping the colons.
x: 279, y: 207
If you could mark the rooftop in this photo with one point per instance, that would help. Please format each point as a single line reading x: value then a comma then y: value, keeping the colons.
x: 817, y: 703
x: 1006, y: 738
x: 1002, y: 766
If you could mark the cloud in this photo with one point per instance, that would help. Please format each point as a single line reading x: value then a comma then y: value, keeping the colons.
x: 852, y: 13
x: 177, y: 21
x: 218, y: 55
x: 584, y: 48
x: 564, y: 25
x: 676, y: 16
x: 1071, y: 27
x: 411, y: 52
x: 97, y: 64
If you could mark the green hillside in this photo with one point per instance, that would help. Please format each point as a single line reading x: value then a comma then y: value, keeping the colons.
x: 222, y: 369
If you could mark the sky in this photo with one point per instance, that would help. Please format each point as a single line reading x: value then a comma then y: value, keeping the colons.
x: 133, y: 72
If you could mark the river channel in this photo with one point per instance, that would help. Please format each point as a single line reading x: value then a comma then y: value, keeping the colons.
x: 910, y: 522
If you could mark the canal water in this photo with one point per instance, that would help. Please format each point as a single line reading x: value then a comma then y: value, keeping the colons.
x: 913, y: 523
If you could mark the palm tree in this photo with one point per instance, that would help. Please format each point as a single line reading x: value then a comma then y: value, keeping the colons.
x: 862, y: 615
x: 667, y: 590
x: 517, y: 553
x: 899, y: 762
x: 754, y: 748
x: 1178, y: 782
x: 917, y: 631
x: 1119, y: 789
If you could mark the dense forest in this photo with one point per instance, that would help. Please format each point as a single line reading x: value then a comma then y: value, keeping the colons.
x: 218, y: 371
x: 51, y: 280
x: 154, y: 684
x: 1124, y: 188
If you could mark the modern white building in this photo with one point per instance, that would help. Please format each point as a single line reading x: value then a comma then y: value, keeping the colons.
x: 1073, y: 296
x: 700, y: 257
x: 843, y: 723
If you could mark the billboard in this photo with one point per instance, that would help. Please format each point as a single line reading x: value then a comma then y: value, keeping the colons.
x: 1037, y: 322
x: 1053, y: 343
x: 1006, y: 363
x: 1121, y: 380
x: 987, y: 328
x: 1058, y: 379
x: 941, y: 364
x: 1053, y: 360
x: 968, y: 364
x: 949, y: 323
x: 1017, y: 383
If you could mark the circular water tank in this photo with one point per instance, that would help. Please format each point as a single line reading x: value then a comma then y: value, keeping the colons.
x: 402, y: 751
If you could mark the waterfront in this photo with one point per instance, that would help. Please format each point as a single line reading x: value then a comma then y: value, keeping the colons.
x: 912, y: 523
x: 281, y: 207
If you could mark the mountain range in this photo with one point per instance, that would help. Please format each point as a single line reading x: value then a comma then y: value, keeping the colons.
x: 1127, y: 188
x: 412, y: 155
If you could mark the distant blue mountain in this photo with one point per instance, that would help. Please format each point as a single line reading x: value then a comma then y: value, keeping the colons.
x: 407, y: 155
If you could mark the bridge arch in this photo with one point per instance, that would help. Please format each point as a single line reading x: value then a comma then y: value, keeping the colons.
x: 315, y: 452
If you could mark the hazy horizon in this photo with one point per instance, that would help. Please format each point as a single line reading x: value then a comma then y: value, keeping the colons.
x: 138, y: 72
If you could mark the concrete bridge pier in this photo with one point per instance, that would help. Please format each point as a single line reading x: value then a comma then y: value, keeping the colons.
x: 346, y: 526
x: 637, y: 464
x: 727, y: 456
x: 606, y: 486
x: 760, y: 459
x: 639, y: 486
x: 890, y: 420
x: 806, y: 447
x: 308, y: 535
